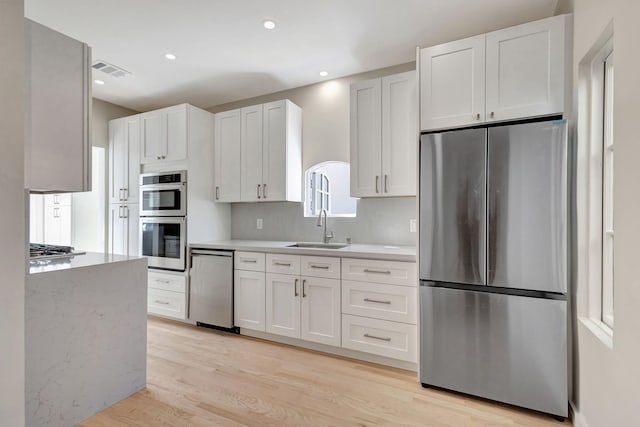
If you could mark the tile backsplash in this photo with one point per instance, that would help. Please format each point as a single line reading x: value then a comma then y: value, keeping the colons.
x: 380, y: 221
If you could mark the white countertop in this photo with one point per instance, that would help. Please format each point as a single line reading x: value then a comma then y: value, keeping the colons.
x: 356, y: 250
x: 86, y: 260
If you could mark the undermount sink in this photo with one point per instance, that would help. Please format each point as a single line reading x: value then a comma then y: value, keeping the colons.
x: 319, y: 245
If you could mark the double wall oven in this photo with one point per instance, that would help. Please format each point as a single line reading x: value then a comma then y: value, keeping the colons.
x: 163, y: 219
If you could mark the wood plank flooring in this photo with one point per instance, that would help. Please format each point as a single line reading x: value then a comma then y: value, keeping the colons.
x: 199, y: 377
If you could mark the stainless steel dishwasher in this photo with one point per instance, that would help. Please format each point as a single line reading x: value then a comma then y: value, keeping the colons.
x: 211, y: 288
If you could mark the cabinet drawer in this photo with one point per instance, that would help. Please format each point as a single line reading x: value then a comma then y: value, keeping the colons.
x: 386, y: 302
x: 320, y: 266
x: 376, y: 271
x: 167, y: 281
x: 283, y: 264
x: 381, y: 337
x: 166, y: 303
x: 252, y: 261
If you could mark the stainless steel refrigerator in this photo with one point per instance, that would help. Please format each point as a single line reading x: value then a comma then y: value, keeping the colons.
x: 493, y: 263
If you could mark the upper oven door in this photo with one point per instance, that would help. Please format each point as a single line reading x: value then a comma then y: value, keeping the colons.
x: 163, y: 200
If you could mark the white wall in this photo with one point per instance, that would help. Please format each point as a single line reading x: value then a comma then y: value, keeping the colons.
x: 606, y: 379
x: 12, y: 221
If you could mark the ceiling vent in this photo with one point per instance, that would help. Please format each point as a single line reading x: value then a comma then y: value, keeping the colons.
x: 110, y: 69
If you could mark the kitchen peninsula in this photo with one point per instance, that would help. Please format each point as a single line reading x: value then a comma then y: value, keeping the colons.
x: 85, y: 336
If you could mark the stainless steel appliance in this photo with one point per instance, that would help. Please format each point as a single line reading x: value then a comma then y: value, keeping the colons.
x: 493, y: 263
x: 163, y: 240
x: 163, y: 194
x: 211, y: 288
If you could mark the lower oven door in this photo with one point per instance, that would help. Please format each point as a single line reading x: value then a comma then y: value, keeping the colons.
x: 163, y: 241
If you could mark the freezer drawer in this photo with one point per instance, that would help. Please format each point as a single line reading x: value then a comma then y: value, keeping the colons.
x: 508, y: 348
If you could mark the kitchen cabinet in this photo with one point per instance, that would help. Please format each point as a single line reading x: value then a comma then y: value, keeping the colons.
x: 164, y: 135
x: 302, y: 306
x: 57, y: 111
x: 227, y: 156
x: 513, y: 73
x: 166, y: 294
x: 57, y: 219
x: 124, y: 160
x: 124, y: 226
x: 268, y: 165
x: 379, y: 308
x: 249, y: 291
x: 384, y: 136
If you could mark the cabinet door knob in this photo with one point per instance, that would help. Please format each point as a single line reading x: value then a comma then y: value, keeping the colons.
x: 295, y: 288
x: 217, y: 193
x: 264, y: 191
x: 258, y: 191
x: 304, y: 293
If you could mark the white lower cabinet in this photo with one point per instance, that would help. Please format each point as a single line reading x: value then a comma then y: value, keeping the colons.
x: 249, y: 299
x: 167, y: 294
x: 382, y: 337
x: 386, y: 302
x: 304, y: 307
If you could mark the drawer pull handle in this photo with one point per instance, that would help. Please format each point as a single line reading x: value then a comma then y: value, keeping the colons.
x: 163, y: 281
x: 321, y: 267
x: 284, y: 264
x: 161, y: 302
x: 377, y: 301
x: 368, y: 270
x: 377, y: 338
x: 252, y: 261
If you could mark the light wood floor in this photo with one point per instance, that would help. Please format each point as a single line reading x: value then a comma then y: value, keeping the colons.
x: 200, y: 377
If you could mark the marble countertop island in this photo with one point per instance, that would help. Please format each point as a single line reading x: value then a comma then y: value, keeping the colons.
x: 85, y: 336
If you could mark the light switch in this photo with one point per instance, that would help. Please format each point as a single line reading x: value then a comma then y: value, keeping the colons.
x: 412, y: 226
x: 259, y: 224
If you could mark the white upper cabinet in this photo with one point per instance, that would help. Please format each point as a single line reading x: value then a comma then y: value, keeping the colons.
x: 384, y: 136
x: 452, y: 83
x: 124, y: 159
x: 57, y: 111
x: 251, y: 153
x: 515, y: 73
x: 227, y: 156
x: 164, y: 135
x: 525, y: 70
x: 259, y: 153
x: 399, y: 134
x: 366, y: 138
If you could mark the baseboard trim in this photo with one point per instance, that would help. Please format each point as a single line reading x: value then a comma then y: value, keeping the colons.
x: 578, y: 418
x: 338, y: 351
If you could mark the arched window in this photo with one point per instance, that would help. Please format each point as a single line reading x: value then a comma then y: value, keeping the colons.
x: 327, y: 187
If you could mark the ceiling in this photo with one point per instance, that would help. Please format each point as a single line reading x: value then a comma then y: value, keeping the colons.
x: 225, y: 54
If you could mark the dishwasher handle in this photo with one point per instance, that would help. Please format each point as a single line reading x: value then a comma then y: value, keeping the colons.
x: 211, y: 252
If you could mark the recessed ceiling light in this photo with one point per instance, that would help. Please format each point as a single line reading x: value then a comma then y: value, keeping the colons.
x: 170, y: 56
x: 324, y: 73
x: 98, y: 82
x: 269, y: 24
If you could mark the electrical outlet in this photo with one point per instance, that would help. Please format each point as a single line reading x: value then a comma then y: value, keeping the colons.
x: 259, y: 224
x: 412, y: 226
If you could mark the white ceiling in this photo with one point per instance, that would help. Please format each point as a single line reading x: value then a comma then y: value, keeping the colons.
x: 225, y: 54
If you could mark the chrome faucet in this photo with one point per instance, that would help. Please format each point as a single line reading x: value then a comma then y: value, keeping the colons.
x: 325, y: 236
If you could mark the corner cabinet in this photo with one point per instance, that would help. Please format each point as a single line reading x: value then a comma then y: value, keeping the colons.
x: 164, y: 135
x: 513, y: 73
x: 58, y: 111
x: 258, y: 153
x: 384, y: 134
